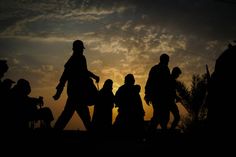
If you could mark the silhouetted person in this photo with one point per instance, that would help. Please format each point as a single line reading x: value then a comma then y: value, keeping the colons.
x: 5, y: 90
x: 221, y: 98
x: 173, y: 96
x: 5, y: 85
x: 138, y: 110
x: 156, y: 93
x: 78, y: 80
x: 102, y: 116
x: 3, y: 68
x: 27, y: 109
x: 139, y: 105
x: 130, y: 112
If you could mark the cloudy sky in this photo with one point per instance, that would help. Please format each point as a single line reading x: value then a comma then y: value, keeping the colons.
x: 120, y: 37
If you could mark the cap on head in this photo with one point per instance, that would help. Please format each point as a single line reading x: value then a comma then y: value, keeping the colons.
x: 7, y: 80
x: 78, y: 44
x: 7, y: 83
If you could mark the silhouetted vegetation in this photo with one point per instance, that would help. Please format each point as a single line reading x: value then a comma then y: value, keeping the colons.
x: 193, y: 99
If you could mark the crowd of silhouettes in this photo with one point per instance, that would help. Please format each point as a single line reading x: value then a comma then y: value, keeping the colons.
x: 19, y: 111
x: 82, y: 93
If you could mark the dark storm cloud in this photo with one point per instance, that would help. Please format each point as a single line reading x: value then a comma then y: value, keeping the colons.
x: 209, y: 18
x: 55, y: 18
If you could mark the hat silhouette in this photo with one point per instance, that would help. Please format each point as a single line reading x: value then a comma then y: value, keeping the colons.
x: 78, y: 44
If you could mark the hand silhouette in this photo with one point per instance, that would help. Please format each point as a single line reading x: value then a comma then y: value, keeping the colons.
x: 56, y: 96
x: 97, y: 79
x: 40, y: 101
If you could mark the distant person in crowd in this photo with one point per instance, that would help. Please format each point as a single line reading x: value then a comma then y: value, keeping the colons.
x: 174, y: 97
x: 157, y: 93
x: 102, y: 116
x: 130, y: 109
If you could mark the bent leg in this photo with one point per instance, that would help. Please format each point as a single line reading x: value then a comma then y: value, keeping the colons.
x: 83, y: 112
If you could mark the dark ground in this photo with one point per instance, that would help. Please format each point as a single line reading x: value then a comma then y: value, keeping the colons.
x: 71, y: 142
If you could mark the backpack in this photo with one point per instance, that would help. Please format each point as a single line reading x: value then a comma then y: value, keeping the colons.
x: 91, y: 93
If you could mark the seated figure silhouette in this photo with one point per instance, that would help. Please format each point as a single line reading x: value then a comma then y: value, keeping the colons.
x: 27, y: 109
x: 221, y: 98
x: 80, y: 89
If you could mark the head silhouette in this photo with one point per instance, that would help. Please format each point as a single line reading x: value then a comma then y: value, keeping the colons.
x: 164, y: 59
x: 7, y: 83
x: 137, y: 88
x: 176, y: 72
x: 3, y: 68
x: 78, y: 46
x: 108, y: 84
x: 129, y: 79
x: 23, y: 86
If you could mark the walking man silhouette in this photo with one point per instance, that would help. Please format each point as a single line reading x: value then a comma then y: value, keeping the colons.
x: 156, y: 92
x: 78, y: 80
